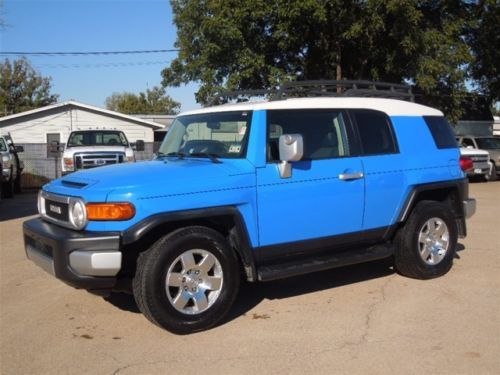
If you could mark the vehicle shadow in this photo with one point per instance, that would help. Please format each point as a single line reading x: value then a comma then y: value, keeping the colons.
x: 251, y: 294
x: 21, y: 205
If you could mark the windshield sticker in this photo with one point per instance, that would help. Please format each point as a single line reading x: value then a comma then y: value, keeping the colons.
x: 234, y: 149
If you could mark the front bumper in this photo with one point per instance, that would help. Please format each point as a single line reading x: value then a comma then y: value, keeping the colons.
x: 84, y: 260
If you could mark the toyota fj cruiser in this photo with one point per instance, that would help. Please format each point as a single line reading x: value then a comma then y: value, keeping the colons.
x: 264, y: 190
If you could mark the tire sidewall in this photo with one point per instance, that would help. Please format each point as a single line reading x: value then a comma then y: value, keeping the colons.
x: 410, y: 243
x: 168, y: 251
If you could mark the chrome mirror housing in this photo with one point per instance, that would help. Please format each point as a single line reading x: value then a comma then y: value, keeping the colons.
x: 291, y: 148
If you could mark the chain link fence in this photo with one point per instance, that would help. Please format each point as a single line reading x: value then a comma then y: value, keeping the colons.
x: 41, y: 165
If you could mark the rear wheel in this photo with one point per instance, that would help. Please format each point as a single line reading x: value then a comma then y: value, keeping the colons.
x: 426, y: 245
x: 187, y: 281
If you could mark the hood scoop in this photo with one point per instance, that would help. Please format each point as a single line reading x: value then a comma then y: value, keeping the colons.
x: 74, y: 184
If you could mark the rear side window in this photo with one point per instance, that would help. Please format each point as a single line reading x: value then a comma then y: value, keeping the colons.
x: 441, y: 131
x: 375, y: 132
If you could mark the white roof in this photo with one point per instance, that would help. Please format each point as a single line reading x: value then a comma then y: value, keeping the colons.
x: 72, y: 103
x: 391, y: 107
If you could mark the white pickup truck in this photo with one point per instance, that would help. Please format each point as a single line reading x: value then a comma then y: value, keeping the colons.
x: 94, y: 148
x: 481, y: 164
x: 12, y: 166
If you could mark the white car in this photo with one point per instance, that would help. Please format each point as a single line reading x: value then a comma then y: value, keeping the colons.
x: 481, y: 164
x: 94, y: 148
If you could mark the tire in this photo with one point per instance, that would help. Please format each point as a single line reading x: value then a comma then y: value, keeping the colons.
x: 493, y: 172
x: 189, y: 304
x: 8, y: 188
x: 426, y: 244
x: 17, y: 184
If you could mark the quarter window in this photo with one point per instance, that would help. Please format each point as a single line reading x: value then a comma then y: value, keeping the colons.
x: 375, y: 132
x: 323, y: 132
x: 441, y: 131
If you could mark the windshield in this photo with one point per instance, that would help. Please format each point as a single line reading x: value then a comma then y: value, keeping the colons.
x: 3, y: 146
x: 222, y: 134
x: 488, y: 143
x: 97, y: 138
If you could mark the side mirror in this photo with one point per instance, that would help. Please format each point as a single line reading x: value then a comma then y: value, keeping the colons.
x: 291, y: 148
x: 139, y: 145
x: 19, y: 149
x: 471, y: 147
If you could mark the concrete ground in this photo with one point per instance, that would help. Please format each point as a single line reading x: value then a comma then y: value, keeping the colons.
x: 357, y: 320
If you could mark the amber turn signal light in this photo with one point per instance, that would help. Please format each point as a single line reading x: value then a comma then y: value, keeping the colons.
x: 110, y: 211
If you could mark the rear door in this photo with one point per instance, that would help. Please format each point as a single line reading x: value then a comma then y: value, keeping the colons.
x: 385, y: 177
x: 317, y: 201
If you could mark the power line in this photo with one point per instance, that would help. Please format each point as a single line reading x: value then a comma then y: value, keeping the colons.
x: 103, y: 65
x: 88, y: 53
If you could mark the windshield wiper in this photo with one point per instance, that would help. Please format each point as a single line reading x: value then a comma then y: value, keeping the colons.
x: 213, y: 157
x: 179, y: 154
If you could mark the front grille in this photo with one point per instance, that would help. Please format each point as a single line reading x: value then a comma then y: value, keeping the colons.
x: 57, y: 210
x: 92, y: 160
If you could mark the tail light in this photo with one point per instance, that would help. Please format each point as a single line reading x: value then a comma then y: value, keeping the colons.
x: 466, y: 163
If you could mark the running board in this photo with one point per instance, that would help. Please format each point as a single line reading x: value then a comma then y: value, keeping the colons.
x: 347, y: 258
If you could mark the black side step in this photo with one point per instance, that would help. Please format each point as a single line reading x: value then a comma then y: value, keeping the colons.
x: 295, y: 268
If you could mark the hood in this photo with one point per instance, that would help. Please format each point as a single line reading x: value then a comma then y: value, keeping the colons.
x: 105, y: 148
x: 152, y: 178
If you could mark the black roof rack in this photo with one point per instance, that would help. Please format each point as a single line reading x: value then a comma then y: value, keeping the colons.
x: 327, y: 88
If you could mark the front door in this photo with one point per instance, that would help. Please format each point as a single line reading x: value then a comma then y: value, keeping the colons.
x: 325, y: 195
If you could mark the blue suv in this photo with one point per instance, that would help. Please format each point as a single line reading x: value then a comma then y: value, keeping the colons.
x: 260, y: 191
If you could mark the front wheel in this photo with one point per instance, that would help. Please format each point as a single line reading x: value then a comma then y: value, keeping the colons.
x: 8, y: 187
x: 426, y: 245
x: 187, y: 281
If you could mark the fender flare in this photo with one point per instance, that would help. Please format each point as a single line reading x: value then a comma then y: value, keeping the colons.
x: 242, y: 247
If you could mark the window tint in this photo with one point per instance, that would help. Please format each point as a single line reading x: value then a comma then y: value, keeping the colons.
x: 323, y: 132
x: 375, y: 132
x: 441, y: 131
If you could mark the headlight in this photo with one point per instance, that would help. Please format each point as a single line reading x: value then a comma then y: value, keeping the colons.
x: 68, y: 164
x: 5, y: 158
x: 77, y: 213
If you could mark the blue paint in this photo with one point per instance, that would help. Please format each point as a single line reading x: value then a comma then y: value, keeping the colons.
x: 313, y: 203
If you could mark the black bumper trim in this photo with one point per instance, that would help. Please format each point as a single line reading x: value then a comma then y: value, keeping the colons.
x: 57, y: 243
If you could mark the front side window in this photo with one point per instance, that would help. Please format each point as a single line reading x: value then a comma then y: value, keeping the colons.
x: 375, y: 132
x: 3, y: 146
x: 97, y: 138
x: 323, y: 132
x: 222, y: 134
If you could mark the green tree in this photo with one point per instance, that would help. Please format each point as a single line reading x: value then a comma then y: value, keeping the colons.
x: 22, y: 88
x: 154, y: 101
x: 259, y: 44
x: 484, y: 39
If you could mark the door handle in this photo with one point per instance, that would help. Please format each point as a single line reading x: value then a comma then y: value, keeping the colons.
x: 351, y: 176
